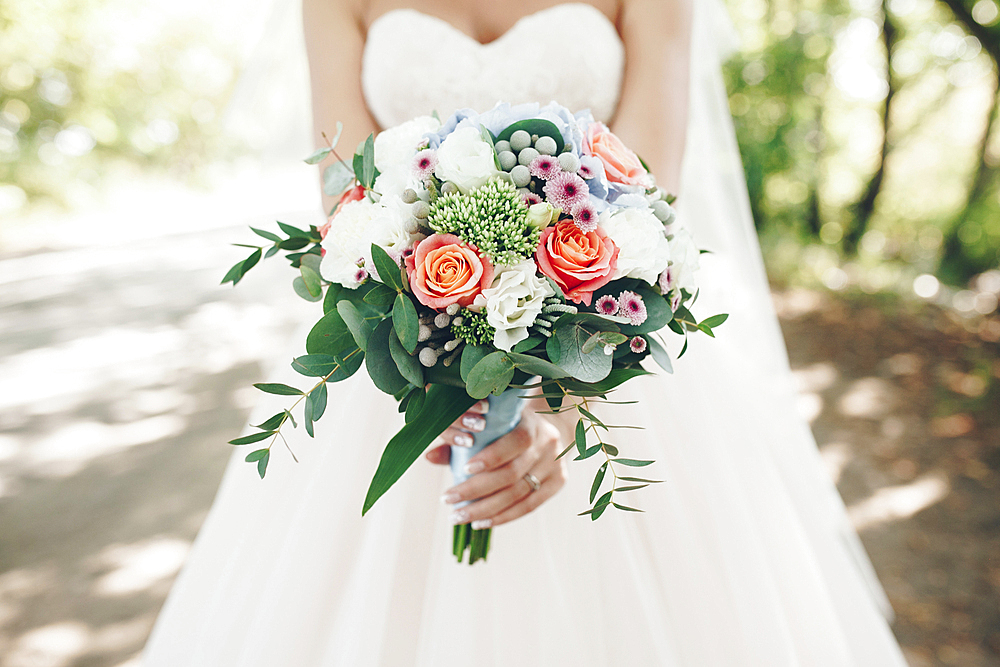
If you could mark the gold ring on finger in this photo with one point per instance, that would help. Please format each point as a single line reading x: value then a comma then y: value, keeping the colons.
x: 532, y: 482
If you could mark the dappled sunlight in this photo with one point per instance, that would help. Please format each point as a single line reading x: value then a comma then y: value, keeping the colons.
x: 836, y: 456
x: 136, y: 567
x: 899, y: 502
x: 870, y: 398
x: 55, y: 645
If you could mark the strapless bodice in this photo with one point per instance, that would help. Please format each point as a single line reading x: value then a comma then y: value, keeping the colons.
x: 415, y: 64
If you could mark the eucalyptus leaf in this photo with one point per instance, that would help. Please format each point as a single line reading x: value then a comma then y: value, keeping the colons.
x: 581, y: 437
x: 633, y: 463
x: 315, y: 365
x: 272, y: 422
x: 659, y: 354
x: 318, y: 396
x: 252, y: 438
x: 715, y: 320
x: 529, y: 343
x: 598, y: 480
x: 302, y: 290
x: 379, y: 362
x: 270, y: 236
x: 337, y: 177
x: 360, y: 329
x: 330, y: 335
x: 625, y: 508
x: 536, y: 366
x: 234, y: 274
x: 586, y: 367
x: 262, y: 464
x: 278, y: 388
x: 256, y: 455
x: 490, y: 376
x: 471, y: 355
x: 318, y: 156
x: 380, y: 296
x: 388, y: 270
x: 312, y: 281
x: 368, y: 162
x: 293, y: 232
x: 406, y: 322
x: 295, y: 243
x: 408, y: 365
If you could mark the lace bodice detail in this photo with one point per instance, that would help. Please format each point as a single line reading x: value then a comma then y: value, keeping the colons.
x: 415, y: 63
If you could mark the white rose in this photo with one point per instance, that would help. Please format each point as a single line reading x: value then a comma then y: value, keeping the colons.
x: 465, y: 159
x: 396, y: 146
x: 513, y: 302
x: 643, y: 249
x: 353, y: 231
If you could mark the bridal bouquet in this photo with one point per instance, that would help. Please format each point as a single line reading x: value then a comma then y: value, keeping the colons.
x: 521, y: 251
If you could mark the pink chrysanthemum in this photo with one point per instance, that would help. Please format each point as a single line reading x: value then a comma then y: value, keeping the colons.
x: 630, y: 305
x: 607, y: 305
x: 585, y: 216
x: 544, y: 167
x: 585, y: 172
x: 638, y: 344
x: 424, y: 164
x: 530, y: 199
x: 566, y: 190
x: 361, y: 275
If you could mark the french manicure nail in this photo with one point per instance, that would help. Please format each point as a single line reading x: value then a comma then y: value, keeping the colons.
x: 450, y: 498
x: 459, y: 517
x: 481, y: 524
x: 473, y: 423
x: 475, y: 468
x: 463, y: 440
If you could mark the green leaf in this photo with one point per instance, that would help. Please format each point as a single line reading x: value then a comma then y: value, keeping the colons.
x: 566, y: 451
x: 640, y: 479
x: 706, y: 329
x: 315, y: 365
x: 318, y: 396
x: 256, y: 455
x: 591, y: 416
x: 380, y: 296
x: 330, y: 335
x: 271, y: 252
x: 272, y: 423
x: 318, y: 156
x: 442, y: 407
x: 611, y: 450
x: 293, y: 244
x: 418, y: 397
x: 408, y: 365
x: 388, y: 271
x: 307, y: 417
x: 406, y: 322
x: 623, y: 489
x: 360, y: 329
x: 252, y: 438
x: 529, y: 343
x: 270, y: 236
x: 555, y: 401
x: 471, y: 355
x: 581, y: 437
x: 379, y: 362
x: 539, y: 126
x: 490, y: 376
x: 714, y: 320
x: 302, y: 290
x: 588, y: 453
x: 262, y: 464
x: 627, y: 509
x: 598, y: 480
x: 659, y: 354
x: 337, y: 177
x: 633, y: 463
x: 587, y: 367
x: 234, y: 274
x: 368, y: 162
x: 615, y: 378
x: 252, y: 260
x: 312, y: 281
x: 291, y: 418
x: 683, y: 349
x: 488, y: 138
x: 293, y: 232
x: 278, y: 388
x: 536, y: 366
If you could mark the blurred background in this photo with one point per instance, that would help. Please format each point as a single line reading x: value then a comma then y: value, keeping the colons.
x: 870, y: 137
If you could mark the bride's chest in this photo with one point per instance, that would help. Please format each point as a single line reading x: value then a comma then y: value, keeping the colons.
x: 416, y: 63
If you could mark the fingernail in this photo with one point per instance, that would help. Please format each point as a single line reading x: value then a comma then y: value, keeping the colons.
x: 461, y: 516
x: 450, y: 498
x: 484, y: 406
x: 481, y: 524
x: 473, y: 422
x: 475, y: 467
x: 463, y: 440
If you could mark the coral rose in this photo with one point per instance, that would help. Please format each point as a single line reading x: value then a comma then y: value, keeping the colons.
x: 621, y: 164
x: 579, y: 262
x: 444, y: 270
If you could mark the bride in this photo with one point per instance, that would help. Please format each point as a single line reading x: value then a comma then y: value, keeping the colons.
x: 743, y: 556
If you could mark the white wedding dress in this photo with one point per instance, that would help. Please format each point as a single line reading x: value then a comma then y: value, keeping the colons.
x: 744, y: 556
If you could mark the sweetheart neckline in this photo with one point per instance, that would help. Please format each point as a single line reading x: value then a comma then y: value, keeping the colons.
x: 513, y: 28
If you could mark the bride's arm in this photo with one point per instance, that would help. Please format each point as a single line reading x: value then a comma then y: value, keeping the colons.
x: 652, y: 114
x: 334, y: 35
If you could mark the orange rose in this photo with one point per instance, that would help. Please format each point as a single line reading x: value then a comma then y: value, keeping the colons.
x: 444, y: 270
x: 621, y: 164
x: 356, y: 193
x: 580, y: 262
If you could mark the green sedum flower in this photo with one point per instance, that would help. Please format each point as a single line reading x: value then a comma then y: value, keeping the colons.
x: 493, y: 218
x: 474, y: 329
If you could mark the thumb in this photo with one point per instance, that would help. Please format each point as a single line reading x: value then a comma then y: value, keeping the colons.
x: 439, y: 455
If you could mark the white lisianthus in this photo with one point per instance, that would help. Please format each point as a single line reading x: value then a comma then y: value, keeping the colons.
x: 465, y: 159
x: 396, y: 146
x: 513, y: 302
x: 353, y: 231
x: 643, y: 249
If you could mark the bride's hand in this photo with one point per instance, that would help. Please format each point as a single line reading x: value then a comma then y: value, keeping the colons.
x: 500, y: 479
